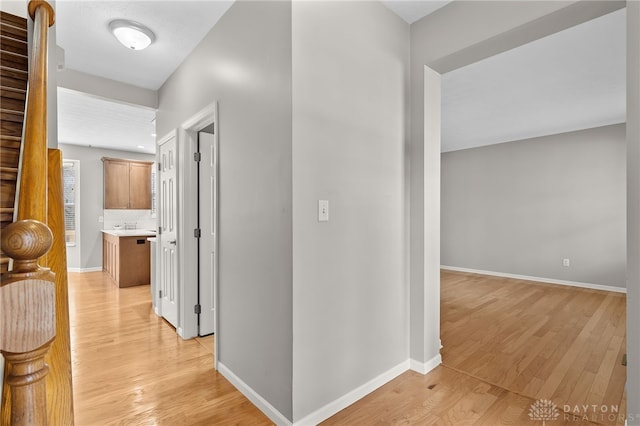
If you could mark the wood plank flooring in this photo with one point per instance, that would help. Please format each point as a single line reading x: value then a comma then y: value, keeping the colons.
x: 506, y: 344
x: 443, y: 397
x: 544, y: 341
x: 131, y: 368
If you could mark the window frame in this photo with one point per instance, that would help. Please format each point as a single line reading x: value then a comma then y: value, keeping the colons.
x: 75, y: 203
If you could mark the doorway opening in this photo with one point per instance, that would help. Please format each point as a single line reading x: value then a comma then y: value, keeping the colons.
x: 198, y: 211
x: 538, y: 365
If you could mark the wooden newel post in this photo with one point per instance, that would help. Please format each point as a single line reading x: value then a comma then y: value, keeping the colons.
x: 27, y: 291
x: 27, y: 319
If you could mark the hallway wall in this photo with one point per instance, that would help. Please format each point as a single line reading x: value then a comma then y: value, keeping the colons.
x: 350, y: 282
x: 244, y: 63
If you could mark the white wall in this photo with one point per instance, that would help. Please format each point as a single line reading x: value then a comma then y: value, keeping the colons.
x: 289, y: 284
x: 350, y: 292
x: 454, y: 36
x: 244, y: 63
x: 87, y: 253
x: 521, y: 207
x: 633, y: 212
x: 15, y: 7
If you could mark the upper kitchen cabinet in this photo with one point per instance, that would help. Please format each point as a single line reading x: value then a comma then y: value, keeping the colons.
x: 127, y: 184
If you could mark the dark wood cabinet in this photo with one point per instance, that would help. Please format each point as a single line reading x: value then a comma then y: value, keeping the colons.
x: 127, y: 184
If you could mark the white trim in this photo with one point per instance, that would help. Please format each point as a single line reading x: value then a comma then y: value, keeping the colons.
x: 94, y: 269
x: 180, y: 331
x: 358, y: 393
x: 262, y: 404
x: 202, y: 118
x: 76, y: 204
x: 189, y: 134
x: 539, y: 279
x: 425, y: 367
x: 427, y: 316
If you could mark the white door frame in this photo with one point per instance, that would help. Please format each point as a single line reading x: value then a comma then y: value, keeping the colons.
x: 188, y: 212
x: 431, y: 242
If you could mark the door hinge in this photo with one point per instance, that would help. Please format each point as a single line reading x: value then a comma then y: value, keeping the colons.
x: 159, y: 167
x: 197, y: 309
x: 159, y: 230
x: 197, y: 156
x: 160, y: 294
x: 197, y: 233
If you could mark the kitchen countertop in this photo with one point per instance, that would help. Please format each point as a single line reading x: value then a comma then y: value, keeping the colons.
x: 130, y: 232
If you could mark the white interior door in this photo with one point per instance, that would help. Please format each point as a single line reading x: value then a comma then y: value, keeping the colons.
x: 168, y: 231
x: 207, y: 219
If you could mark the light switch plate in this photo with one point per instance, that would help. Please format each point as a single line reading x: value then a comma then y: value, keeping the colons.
x: 323, y: 210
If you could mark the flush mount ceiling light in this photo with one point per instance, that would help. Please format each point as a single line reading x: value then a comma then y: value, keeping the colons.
x: 132, y: 35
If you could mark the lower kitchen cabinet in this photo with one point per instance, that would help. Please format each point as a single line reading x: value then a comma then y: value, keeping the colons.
x: 126, y: 259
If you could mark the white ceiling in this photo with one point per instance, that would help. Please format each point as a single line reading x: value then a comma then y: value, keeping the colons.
x: 178, y: 25
x: 571, y: 80
x: 90, y: 121
x: 413, y: 10
x: 82, y: 31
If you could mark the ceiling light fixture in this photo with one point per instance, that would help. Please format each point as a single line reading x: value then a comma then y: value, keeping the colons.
x: 132, y: 35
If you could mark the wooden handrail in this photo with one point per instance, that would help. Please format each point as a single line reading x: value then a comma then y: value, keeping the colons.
x: 33, y: 179
x: 27, y: 291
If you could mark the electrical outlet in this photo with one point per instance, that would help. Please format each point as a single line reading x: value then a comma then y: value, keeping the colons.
x: 566, y: 263
x: 323, y: 210
x: 100, y: 219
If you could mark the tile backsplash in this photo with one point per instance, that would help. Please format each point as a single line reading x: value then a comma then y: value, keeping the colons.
x: 141, y: 218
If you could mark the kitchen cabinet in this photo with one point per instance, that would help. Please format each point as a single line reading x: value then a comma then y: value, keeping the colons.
x: 127, y: 259
x: 127, y: 184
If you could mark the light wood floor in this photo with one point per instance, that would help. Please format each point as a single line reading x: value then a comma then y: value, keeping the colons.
x: 506, y: 344
x: 131, y: 368
x: 544, y: 341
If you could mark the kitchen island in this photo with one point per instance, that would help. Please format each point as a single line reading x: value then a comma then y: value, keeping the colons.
x: 126, y: 256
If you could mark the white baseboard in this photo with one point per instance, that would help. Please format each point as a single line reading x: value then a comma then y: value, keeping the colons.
x: 94, y: 269
x: 344, y: 401
x: 184, y: 335
x: 425, y: 367
x: 262, y: 404
x: 539, y: 279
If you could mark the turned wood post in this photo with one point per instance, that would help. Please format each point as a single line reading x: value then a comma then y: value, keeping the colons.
x: 27, y: 291
x: 27, y: 319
